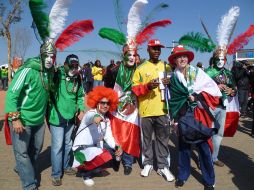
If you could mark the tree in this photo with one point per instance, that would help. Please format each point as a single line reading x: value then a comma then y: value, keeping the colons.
x: 7, y: 19
x: 21, y: 41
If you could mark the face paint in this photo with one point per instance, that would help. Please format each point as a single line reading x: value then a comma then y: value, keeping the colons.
x: 130, y: 58
x: 221, y: 59
x: 220, y: 62
x: 48, y: 60
x: 73, y: 69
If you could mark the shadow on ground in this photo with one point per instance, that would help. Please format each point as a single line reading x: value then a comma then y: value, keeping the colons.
x: 1, y: 124
x: 240, y: 165
x: 44, y: 163
x: 246, y: 126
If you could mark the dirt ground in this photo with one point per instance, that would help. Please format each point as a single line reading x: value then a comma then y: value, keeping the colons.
x: 237, y: 154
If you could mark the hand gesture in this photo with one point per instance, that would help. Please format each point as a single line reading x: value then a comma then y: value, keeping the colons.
x: 97, y: 120
x: 165, y: 81
x: 153, y: 84
x: 18, y: 126
x: 119, y: 151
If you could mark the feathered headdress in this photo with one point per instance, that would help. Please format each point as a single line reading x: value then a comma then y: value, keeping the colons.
x: 225, y: 29
x: 49, y: 26
x: 241, y: 40
x: 138, y: 32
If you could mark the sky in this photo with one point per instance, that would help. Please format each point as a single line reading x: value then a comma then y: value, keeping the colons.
x: 184, y: 15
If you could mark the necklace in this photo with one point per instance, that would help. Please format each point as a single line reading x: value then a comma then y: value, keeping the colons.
x: 68, y: 82
x: 45, y: 86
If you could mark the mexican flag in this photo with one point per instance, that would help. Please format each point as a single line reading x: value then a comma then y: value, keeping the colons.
x: 232, y: 117
x: 87, y: 155
x: 202, y: 84
x: 125, y: 121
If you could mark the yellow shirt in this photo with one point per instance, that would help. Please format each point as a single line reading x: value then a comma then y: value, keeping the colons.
x: 151, y: 103
x: 97, y: 73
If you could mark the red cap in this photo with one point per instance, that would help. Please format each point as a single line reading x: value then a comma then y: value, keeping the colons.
x: 155, y: 42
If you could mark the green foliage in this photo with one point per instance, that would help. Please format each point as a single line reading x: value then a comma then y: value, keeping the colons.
x: 198, y: 42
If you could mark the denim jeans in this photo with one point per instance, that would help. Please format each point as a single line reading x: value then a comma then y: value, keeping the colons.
x: 26, y: 147
x: 220, y: 115
x: 97, y: 83
x: 61, y: 144
x: 243, y: 100
x: 127, y: 159
x: 206, y: 164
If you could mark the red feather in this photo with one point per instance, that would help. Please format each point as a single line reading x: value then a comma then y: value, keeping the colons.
x: 241, y: 40
x: 149, y: 30
x: 74, y: 33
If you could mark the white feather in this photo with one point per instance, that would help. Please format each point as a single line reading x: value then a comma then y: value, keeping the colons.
x: 57, y: 17
x: 226, y: 26
x: 134, y: 18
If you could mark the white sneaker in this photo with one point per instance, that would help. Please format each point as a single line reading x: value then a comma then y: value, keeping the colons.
x: 146, y: 171
x: 88, y: 182
x: 166, y: 174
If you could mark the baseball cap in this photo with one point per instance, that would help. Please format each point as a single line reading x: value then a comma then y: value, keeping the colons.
x: 155, y: 42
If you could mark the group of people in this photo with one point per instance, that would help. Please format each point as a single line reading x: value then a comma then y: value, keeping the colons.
x: 146, y: 100
x: 95, y: 74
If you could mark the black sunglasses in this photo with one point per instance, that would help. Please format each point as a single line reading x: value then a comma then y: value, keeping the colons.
x: 104, y: 103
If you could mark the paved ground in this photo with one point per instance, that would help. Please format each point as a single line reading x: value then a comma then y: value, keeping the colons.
x: 237, y: 153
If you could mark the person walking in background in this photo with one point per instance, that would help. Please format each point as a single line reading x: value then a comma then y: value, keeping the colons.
x: 88, y: 78
x: 151, y: 109
x: 4, y: 77
x: 241, y: 75
x: 109, y: 77
x: 66, y: 103
x: 97, y: 73
x: 25, y: 104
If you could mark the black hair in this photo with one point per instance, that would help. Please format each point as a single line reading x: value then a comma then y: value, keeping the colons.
x: 70, y: 57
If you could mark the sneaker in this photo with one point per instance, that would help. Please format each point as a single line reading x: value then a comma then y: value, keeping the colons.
x: 56, y: 181
x: 166, y: 174
x: 70, y: 171
x: 218, y: 163
x: 179, y: 183
x: 88, y: 181
x: 127, y: 170
x: 146, y: 171
x: 209, y: 187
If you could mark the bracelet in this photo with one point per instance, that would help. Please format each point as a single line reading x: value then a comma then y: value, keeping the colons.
x: 14, y: 115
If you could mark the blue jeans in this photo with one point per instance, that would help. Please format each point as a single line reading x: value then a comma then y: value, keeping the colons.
x: 243, y: 96
x: 97, y: 83
x: 220, y: 115
x: 127, y: 159
x: 205, y: 159
x: 26, y: 147
x: 61, y: 144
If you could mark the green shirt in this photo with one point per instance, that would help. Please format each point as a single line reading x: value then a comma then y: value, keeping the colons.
x: 27, y: 93
x: 4, y: 73
x: 67, y: 99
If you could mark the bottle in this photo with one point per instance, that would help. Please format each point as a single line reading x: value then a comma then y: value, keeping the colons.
x: 118, y: 158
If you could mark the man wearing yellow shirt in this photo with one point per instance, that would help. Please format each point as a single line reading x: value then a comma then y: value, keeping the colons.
x: 148, y: 83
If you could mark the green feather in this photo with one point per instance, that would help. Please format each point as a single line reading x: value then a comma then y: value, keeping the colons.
x: 113, y: 35
x: 198, y: 42
x: 40, y: 18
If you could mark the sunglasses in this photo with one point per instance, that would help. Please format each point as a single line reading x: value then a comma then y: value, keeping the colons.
x: 104, y: 103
